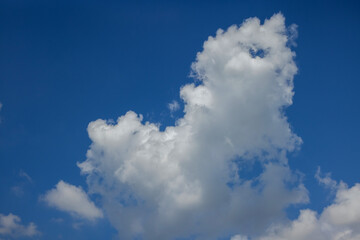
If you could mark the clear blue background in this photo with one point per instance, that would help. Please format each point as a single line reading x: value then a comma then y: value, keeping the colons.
x: 66, y: 63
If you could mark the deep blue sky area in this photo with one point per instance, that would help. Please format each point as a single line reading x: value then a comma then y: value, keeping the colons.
x: 66, y: 63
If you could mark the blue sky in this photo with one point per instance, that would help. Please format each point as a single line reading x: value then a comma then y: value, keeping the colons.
x: 64, y: 64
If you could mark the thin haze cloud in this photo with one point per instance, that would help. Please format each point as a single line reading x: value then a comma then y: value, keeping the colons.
x: 23, y: 174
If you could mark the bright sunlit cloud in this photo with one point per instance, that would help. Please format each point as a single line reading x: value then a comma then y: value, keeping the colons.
x: 185, y: 180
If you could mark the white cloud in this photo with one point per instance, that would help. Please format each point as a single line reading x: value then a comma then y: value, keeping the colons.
x: 188, y: 179
x: 72, y: 199
x: 339, y: 221
x: 346, y: 208
x: 239, y: 237
x: 173, y: 106
x: 10, y: 226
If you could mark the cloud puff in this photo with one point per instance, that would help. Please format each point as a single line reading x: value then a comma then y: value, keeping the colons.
x: 10, y: 226
x: 190, y: 179
x: 173, y: 106
x: 339, y: 221
x: 239, y: 237
x: 72, y: 199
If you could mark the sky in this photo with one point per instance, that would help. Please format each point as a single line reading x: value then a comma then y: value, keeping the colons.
x: 224, y: 120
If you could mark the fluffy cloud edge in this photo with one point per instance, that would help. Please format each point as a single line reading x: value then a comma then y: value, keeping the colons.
x: 338, y: 221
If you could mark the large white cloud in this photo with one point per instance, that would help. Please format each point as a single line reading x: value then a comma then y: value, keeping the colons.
x: 72, y: 199
x: 10, y: 226
x: 187, y: 180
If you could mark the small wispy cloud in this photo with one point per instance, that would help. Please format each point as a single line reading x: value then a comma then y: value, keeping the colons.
x: 19, y: 188
x: 23, y: 174
x: 326, y: 180
x: 11, y: 226
x: 239, y: 237
x: 173, y: 106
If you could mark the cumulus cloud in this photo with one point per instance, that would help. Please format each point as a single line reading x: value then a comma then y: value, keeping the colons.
x: 189, y: 180
x: 10, y: 226
x: 72, y: 199
x: 338, y: 221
